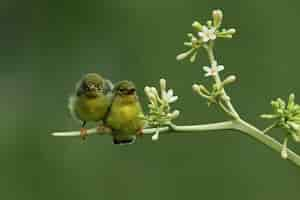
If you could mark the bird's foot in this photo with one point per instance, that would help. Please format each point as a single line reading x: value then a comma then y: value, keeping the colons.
x: 102, y: 129
x: 140, y: 132
x: 83, y: 134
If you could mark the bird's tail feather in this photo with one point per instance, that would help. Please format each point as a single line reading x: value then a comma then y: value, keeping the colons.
x: 124, y: 140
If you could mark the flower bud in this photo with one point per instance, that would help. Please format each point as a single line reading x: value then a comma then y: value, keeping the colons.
x: 217, y: 18
x: 174, y: 114
x: 296, y: 137
x: 154, y: 91
x: 150, y: 94
x: 284, y: 153
x: 196, y: 88
x: 294, y: 126
x: 269, y: 116
x: 292, y: 97
x: 193, y: 57
x: 231, y: 31
x: 163, y: 84
x: 203, y: 89
x: 184, y: 55
x: 194, y: 40
x: 209, y: 23
x: 224, y: 35
x: 189, y: 44
x: 147, y: 90
x: 291, y: 101
x: 197, y: 26
x: 156, y: 135
x: 191, y: 35
x: 229, y: 79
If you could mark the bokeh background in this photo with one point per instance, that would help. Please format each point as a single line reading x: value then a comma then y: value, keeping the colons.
x: 46, y: 46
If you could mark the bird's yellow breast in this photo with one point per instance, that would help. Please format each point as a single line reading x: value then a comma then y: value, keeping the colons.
x: 128, y: 112
x: 125, y: 117
x: 91, y: 109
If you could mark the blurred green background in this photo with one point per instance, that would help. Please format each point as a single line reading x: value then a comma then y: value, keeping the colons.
x: 46, y: 46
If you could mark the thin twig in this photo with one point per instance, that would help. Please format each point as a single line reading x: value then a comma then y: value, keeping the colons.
x: 270, y: 127
x: 150, y: 131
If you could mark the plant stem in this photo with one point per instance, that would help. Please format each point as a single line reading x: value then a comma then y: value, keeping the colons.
x: 226, y: 99
x: 149, y: 131
x: 244, y: 126
x: 266, y: 140
x: 239, y: 125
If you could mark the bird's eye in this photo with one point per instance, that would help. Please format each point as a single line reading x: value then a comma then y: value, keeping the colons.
x: 122, y: 90
x: 86, y: 87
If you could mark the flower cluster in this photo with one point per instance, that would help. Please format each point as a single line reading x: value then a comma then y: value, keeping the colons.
x: 160, y: 112
x: 217, y: 89
x: 286, y: 116
x: 205, y: 34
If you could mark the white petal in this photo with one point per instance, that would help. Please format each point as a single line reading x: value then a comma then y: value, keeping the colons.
x: 207, y: 74
x: 204, y: 29
x: 173, y: 99
x: 205, y: 38
x: 220, y: 68
x: 200, y: 34
x: 170, y: 93
x: 211, y: 31
x: 212, y: 36
x: 207, y: 69
x: 164, y: 96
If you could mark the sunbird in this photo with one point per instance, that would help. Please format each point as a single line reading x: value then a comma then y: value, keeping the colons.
x: 125, y: 114
x: 91, y: 101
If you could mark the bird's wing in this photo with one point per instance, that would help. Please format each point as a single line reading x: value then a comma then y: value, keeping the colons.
x: 108, y: 86
x: 71, y: 107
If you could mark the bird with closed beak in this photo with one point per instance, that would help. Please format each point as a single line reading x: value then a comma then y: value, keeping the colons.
x: 91, y: 101
x: 125, y: 114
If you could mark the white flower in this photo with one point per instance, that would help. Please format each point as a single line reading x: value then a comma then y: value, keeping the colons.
x: 168, y: 96
x: 213, y: 70
x: 207, y: 34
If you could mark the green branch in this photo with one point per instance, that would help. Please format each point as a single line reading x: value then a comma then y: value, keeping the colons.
x: 238, y: 125
x: 160, y: 115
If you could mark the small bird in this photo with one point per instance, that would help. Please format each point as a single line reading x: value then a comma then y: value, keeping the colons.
x: 92, y: 98
x: 125, y: 114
